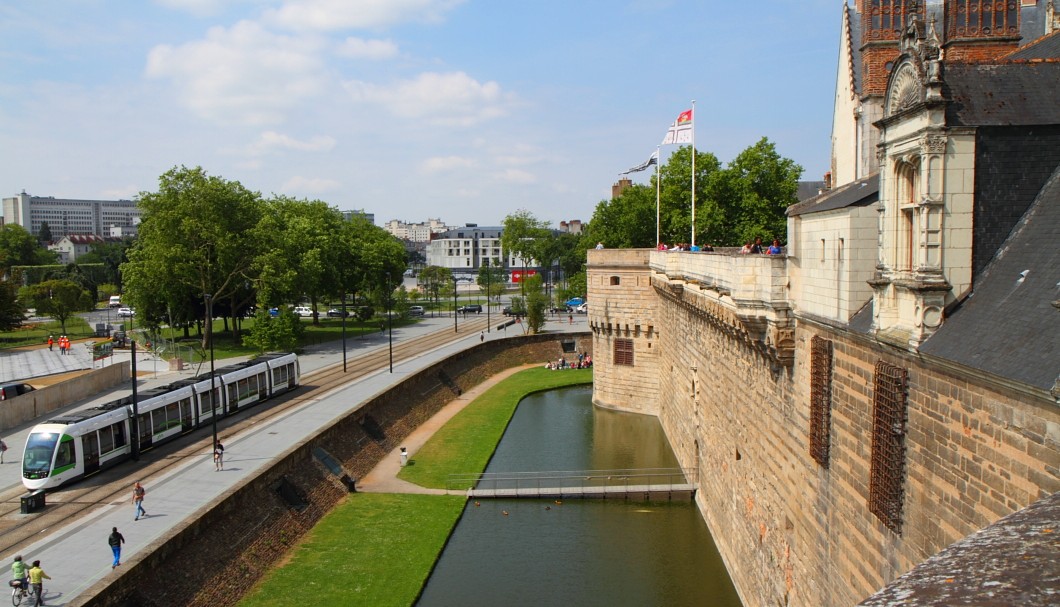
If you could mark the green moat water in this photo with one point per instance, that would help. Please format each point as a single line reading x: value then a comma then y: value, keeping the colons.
x: 579, y: 552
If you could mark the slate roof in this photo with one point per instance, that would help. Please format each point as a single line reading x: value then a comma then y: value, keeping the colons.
x: 1046, y: 47
x: 809, y: 189
x: 1010, y: 325
x: 854, y: 194
x: 1001, y: 94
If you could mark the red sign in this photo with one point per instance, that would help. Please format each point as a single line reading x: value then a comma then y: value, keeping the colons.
x: 517, y: 275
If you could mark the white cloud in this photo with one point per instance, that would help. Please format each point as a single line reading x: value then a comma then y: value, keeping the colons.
x: 441, y: 164
x: 350, y: 14
x: 517, y: 176
x: 452, y: 99
x: 307, y: 185
x: 199, y: 8
x: 244, y: 74
x: 359, y: 48
x: 127, y: 192
x: 271, y: 140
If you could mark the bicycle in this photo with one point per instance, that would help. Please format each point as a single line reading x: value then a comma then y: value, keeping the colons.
x: 19, y: 592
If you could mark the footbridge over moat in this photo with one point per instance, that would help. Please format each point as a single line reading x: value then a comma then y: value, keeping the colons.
x: 647, y: 484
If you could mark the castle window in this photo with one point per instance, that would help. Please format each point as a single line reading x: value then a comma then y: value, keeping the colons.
x: 820, y: 399
x: 623, y: 353
x: 907, y: 176
x: 887, y: 476
x: 981, y: 18
x: 615, y: 281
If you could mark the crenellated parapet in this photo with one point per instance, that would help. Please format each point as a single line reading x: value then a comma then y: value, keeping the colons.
x: 744, y: 296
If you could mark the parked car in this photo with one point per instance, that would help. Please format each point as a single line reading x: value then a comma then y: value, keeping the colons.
x: 476, y: 308
x: 12, y: 390
x: 303, y: 311
x: 509, y: 311
x: 115, y: 301
x: 416, y: 310
x: 126, y: 312
x: 582, y: 309
x: 574, y: 302
x: 337, y: 313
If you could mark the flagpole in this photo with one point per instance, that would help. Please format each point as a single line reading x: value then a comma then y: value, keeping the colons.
x: 658, y: 162
x: 693, y: 172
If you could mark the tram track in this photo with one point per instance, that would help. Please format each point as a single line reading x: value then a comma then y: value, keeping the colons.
x: 113, y: 487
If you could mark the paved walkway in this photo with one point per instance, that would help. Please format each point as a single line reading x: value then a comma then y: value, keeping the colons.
x: 383, y: 478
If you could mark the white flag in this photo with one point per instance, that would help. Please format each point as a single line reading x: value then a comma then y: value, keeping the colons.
x: 681, y: 130
x: 654, y: 158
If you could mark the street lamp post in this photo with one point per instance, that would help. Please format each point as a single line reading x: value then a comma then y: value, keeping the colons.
x: 390, y: 321
x: 343, y: 330
x: 135, y: 409
x: 213, y: 389
x: 455, y: 330
x: 487, y: 263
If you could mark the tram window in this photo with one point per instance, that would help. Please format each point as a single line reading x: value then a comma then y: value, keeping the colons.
x: 65, y: 454
x: 172, y: 415
x: 119, y: 435
x: 106, y: 439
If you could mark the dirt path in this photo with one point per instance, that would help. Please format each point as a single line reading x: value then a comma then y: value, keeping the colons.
x: 383, y: 478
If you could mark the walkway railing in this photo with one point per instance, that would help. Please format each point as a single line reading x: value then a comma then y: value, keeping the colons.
x: 576, y: 483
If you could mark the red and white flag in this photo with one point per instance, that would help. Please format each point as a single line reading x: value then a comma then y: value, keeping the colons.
x: 681, y: 130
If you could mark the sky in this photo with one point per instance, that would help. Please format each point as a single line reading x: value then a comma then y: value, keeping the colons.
x: 461, y: 110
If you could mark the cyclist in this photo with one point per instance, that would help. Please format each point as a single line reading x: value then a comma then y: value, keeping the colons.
x: 20, y: 572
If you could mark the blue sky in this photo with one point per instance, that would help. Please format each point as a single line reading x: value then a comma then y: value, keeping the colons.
x: 463, y: 110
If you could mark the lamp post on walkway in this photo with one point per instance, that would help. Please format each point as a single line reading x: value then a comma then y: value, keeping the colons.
x: 390, y: 320
x: 213, y: 390
x: 486, y: 262
x: 455, y: 330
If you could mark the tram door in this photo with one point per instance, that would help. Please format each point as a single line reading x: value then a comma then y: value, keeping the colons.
x: 90, y: 449
x: 146, y: 433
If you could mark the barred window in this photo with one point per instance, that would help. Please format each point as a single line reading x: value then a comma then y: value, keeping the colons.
x: 820, y: 399
x: 888, y: 444
x: 624, y: 352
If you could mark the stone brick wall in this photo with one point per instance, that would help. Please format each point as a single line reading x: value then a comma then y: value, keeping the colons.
x: 216, y: 556
x: 792, y: 532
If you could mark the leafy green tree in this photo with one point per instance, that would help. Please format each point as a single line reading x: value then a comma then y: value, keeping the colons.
x: 59, y: 299
x: 17, y: 247
x: 11, y: 310
x: 626, y: 222
x: 491, y: 278
x: 675, y: 224
x: 536, y: 304
x: 279, y: 334
x: 763, y: 185
x: 434, y: 280
x: 111, y: 255
x: 45, y: 233
x: 198, y: 236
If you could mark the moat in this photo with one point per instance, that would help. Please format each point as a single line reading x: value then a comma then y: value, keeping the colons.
x: 579, y: 552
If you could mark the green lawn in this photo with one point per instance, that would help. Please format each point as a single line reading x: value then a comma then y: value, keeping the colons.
x: 379, y: 549
x: 376, y: 549
x: 35, y: 334
x: 465, y: 444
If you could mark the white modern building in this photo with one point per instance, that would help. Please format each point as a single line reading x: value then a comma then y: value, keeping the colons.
x: 464, y: 249
x: 66, y: 216
x: 415, y: 232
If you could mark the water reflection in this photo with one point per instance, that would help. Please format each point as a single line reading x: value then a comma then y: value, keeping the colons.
x: 579, y: 552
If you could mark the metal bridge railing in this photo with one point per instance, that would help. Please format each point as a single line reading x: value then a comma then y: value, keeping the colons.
x: 573, y: 479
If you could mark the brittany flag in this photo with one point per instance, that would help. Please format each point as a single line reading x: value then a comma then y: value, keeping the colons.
x: 681, y: 130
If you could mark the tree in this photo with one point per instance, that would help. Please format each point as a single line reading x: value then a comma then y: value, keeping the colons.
x: 59, y: 299
x: 626, y: 222
x: 279, y: 334
x: 491, y: 278
x: 44, y: 235
x: 11, y: 311
x: 111, y: 255
x: 17, y: 247
x: 536, y: 304
x: 763, y: 185
x: 197, y: 237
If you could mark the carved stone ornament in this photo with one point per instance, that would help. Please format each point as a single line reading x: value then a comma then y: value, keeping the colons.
x: 906, y: 91
x: 935, y: 144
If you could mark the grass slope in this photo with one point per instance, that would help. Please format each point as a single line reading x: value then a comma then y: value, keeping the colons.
x: 465, y: 444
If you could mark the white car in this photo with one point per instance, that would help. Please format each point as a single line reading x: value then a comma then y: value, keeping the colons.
x: 303, y: 311
x: 126, y: 313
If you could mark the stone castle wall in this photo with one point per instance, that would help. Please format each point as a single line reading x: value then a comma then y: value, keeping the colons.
x: 791, y: 531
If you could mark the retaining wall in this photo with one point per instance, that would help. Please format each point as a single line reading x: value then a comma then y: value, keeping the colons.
x: 21, y: 409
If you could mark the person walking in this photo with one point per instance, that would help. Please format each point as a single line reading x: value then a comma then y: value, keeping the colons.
x: 20, y: 572
x: 115, y: 540
x: 138, y: 498
x: 36, y: 579
x: 3, y: 447
x: 51, y: 342
x: 219, y: 456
